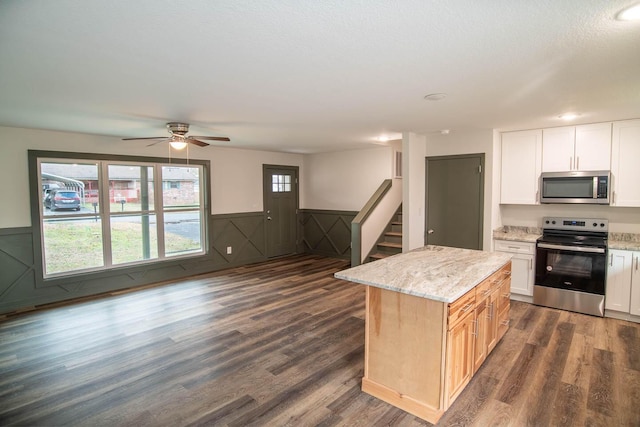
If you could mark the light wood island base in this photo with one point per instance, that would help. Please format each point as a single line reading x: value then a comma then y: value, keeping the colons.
x: 420, y: 353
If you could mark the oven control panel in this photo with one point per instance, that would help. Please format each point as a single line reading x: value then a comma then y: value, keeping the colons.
x: 575, y: 224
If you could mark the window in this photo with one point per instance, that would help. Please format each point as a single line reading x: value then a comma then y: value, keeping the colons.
x: 98, y: 214
x: 167, y: 185
x: 281, y: 183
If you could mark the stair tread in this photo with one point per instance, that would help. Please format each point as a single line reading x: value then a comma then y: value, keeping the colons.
x: 378, y: 255
x: 390, y: 245
x: 393, y: 233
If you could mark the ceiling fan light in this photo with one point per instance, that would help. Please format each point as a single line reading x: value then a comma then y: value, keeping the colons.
x: 178, y: 145
x: 629, y: 14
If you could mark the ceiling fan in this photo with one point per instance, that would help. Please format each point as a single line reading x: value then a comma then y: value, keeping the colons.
x: 178, y: 137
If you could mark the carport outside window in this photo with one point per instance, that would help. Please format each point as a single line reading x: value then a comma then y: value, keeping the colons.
x: 95, y: 215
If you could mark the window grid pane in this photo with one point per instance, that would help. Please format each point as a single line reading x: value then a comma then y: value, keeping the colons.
x: 75, y: 239
x: 281, y: 183
x: 130, y: 188
x: 133, y: 238
x: 72, y: 244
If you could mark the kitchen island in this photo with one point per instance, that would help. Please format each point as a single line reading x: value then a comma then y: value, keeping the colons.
x: 432, y: 316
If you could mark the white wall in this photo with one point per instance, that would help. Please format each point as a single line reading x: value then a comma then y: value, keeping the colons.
x: 237, y: 178
x: 471, y: 142
x: 344, y: 180
x: 236, y: 174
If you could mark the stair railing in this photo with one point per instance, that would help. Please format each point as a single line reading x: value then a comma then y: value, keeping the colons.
x: 380, y: 207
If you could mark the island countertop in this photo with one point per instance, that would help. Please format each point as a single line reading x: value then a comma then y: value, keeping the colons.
x: 435, y: 272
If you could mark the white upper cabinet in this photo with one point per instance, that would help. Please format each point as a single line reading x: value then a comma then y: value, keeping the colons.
x: 520, y: 167
x: 558, y: 149
x: 593, y: 147
x: 577, y: 148
x: 625, y: 163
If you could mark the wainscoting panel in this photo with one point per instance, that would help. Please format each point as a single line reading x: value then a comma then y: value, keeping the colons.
x: 18, y: 291
x: 322, y: 232
x: 327, y: 232
x: 16, y: 260
x: 243, y: 233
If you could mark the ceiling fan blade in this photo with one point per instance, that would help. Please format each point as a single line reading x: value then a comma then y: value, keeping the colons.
x: 158, y: 142
x: 212, y: 138
x: 196, y: 142
x: 152, y: 137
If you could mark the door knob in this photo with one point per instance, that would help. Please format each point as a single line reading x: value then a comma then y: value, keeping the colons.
x: 268, y: 218
x: 430, y: 231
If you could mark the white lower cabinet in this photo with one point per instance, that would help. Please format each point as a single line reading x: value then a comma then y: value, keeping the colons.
x: 623, y: 282
x: 522, y: 264
x: 635, y: 284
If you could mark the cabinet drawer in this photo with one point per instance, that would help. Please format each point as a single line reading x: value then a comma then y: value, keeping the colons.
x: 515, y: 247
x: 504, y: 297
x: 483, y: 290
x: 505, y: 272
x: 461, y: 307
x: 496, y: 279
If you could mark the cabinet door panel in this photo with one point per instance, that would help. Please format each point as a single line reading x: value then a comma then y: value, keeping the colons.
x: 558, y: 149
x: 481, y: 325
x: 522, y: 274
x: 492, y: 314
x: 521, y: 165
x: 459, y: 357
x: 618, y: 289
x: 635, y: 284
x: 593, y: 147
x: 625, y: 152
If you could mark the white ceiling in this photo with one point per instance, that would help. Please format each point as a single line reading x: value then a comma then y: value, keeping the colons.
x: 310, y: 76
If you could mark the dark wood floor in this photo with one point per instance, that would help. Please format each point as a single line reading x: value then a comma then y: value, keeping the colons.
x: 281, y: 343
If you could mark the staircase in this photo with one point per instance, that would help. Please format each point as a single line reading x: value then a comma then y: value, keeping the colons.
x: 390, y: 243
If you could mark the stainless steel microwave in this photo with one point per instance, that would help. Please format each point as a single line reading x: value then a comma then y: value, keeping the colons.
x: 575, y: 187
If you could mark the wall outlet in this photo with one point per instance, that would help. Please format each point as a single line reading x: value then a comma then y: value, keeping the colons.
x: 229, y: 250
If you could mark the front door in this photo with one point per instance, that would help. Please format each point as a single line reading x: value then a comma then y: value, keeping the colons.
x: 455, y: 200
x: 280, y: 209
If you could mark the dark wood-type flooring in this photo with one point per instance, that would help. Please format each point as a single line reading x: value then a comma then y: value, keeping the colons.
x: 281, y: 343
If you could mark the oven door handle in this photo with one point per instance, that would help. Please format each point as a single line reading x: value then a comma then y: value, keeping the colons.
x: 572, y: 248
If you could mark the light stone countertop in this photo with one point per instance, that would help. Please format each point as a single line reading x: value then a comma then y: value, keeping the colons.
x: 517, y: 233
x: 625, y: 241
x: 434, y: 272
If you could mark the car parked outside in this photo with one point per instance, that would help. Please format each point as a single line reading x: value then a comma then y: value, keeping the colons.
x: 61, y: 198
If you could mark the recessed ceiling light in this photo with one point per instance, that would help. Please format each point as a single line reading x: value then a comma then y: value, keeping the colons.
x: 629, y: 14
x: 445, y: 132
x: 568, y: 116
x: 383, y: 138
x: 435, y: 96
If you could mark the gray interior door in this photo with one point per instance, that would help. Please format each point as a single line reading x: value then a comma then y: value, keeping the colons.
x: 455, y: 200
x: 280, y: 209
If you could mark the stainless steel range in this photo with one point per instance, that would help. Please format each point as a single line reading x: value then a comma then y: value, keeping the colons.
x: 571, y: 264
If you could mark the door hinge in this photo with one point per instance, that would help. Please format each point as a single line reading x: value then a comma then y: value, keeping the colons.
x: 296, y: 180
x: 479, y: 168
